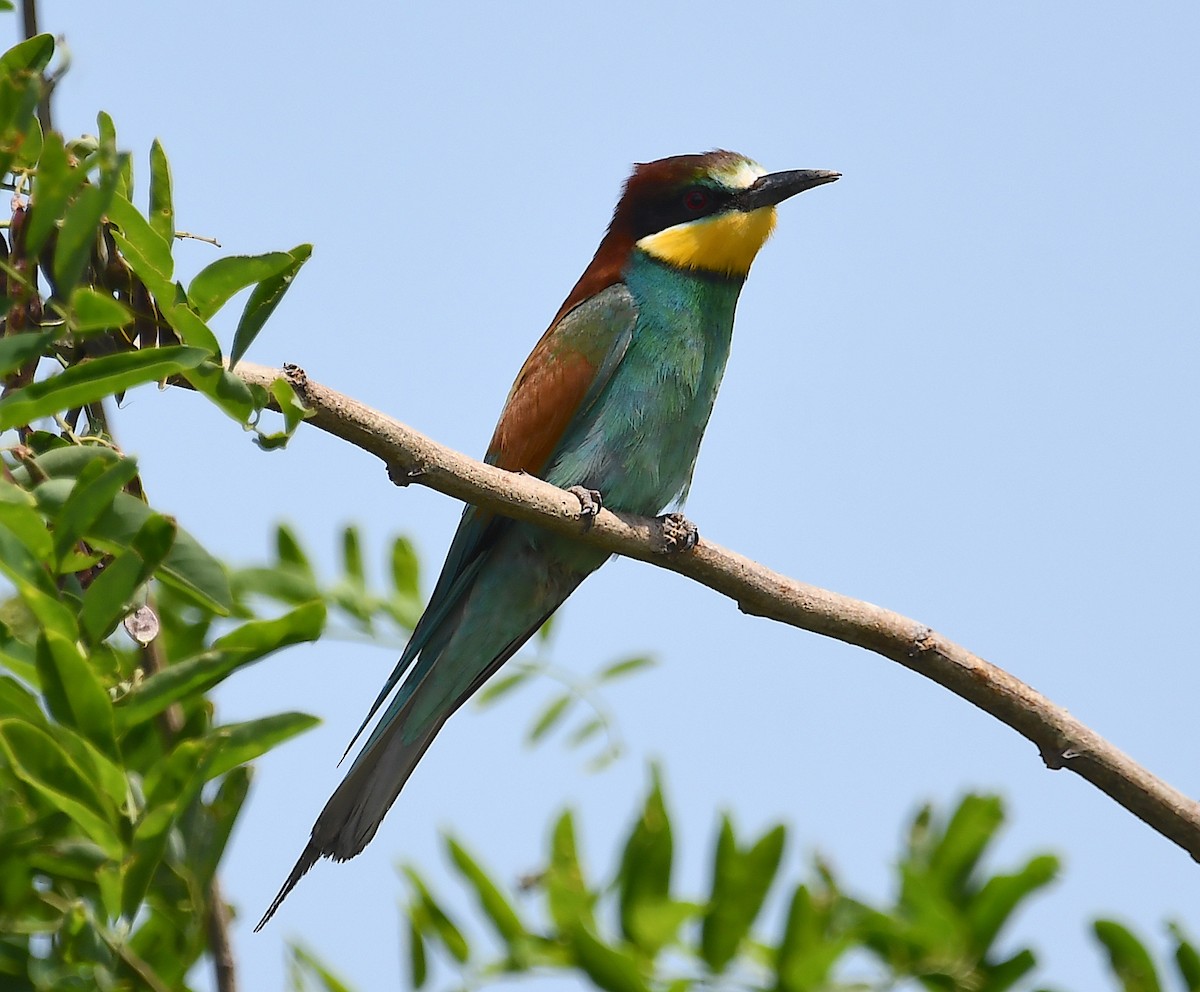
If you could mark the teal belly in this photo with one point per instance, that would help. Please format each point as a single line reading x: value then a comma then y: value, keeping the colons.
x: 638, y: 445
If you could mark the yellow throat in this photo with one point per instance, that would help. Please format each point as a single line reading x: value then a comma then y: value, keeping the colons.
x: 724, y: 244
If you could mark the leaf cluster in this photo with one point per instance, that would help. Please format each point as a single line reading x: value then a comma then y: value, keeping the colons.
x: 118, y: 785
x: 943, y: 930
x: 113, y: 315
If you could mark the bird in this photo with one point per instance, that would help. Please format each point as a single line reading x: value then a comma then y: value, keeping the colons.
x: 611, y: 404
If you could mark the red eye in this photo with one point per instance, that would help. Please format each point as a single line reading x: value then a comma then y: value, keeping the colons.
x: 695, y: 200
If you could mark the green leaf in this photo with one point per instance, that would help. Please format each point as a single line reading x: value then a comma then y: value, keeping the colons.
x: 93, y: 380
x: 18, y: 512
x: 41, y: 763
x: 107, y: 129
x: 439, y: 922
x: 247, y: 644
x: 209, y: 825
x: 125, y: 177
x: 418, y: 968
x: 102, y: 771
x: 496, y: 688
x: 92, y: 312
x: 352, y: 559
x: 290, y: 551
x: 284, y: 584
x: 495, y: 906
x: 606, y: 966
x: 16, y: 700
x: 1187, y: 959
x: 550, y: 716
x: 1000, y: 896
x: 1003, y: 975
x: 290, y: 404
x: 305, y: 962
x: 657, y: 924
x: 645, y: 874
x: 188, y: 568
x: 807, y: 950
x: 585, y: 732
x: 184, y: 322
x: 33, y: 582
x: 567, y: 895
x: 626, y: 667
x: 31, y: 55
x: 972, y: 827
x: 239, y: 743
x: 65, y: 462
x: 21, y: 85
x: 162, y: 211
x: 53, y: 186
x: 405, y: 568
x: 91, y: 496
x: 218, y: 281
x: 31, y: 145
x: 74, y: 694
x: 15, y: 351
x: 171, y: 786
x: 146, y: 251
x: 262, y: 303
x: 740, y: 884
x: 77, y: 236
x: 226, y: 390
x: 150, y: 258
x: 1130, y: 961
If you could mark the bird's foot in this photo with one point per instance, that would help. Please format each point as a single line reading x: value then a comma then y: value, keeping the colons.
x: 678, y: 533
x: 590, y: 503
x: 402, y: 474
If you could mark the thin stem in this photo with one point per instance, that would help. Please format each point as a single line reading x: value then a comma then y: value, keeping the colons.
x: 29, y: 27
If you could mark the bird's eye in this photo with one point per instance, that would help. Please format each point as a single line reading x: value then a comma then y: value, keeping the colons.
x: 695, y: 200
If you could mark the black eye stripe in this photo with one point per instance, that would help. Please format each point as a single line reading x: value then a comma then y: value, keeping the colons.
x: 665, y: 210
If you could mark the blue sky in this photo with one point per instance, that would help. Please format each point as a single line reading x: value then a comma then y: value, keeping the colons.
x: 963, y: 386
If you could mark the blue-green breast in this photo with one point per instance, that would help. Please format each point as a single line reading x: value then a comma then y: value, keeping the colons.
x: 638, y: 443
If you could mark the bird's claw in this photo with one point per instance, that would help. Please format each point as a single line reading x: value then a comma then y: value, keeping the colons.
x: 678, y: 533
x: 590, y: 503
x: 403, y: 474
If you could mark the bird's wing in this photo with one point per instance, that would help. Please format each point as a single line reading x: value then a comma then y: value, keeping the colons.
x: 561, y: 378
x: 558, y: 384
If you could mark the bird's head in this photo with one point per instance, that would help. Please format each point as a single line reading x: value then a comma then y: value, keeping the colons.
x: 709, y: 212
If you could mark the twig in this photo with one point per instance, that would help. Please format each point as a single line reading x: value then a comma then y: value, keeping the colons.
x: 181, y: 235
x: 29, y: 28
x: 1062, y: 741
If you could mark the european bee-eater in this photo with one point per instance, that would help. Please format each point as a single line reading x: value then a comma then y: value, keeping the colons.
x: 614, y: 400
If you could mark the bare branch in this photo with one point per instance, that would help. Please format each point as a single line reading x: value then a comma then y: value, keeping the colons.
x: 1062, y: 741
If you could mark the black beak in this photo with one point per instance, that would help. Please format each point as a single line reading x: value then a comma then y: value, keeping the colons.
x: 778, y: 186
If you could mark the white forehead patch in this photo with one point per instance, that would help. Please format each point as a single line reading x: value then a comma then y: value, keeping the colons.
x: 741, y: 174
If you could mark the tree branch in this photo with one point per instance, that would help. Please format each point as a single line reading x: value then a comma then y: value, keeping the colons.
x: 1062, y: 741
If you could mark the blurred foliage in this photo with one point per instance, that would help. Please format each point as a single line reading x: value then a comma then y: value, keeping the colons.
x: 631, y: 932
x: 595, y: 723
